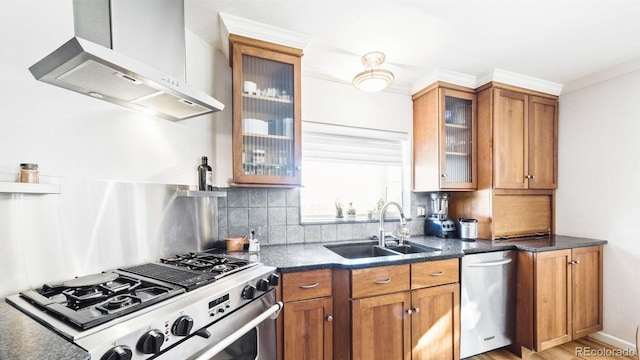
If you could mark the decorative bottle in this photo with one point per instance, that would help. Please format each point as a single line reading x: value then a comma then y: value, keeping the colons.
x: 205, y: 176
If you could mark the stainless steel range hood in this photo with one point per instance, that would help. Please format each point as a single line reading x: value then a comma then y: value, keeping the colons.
x: 130, y: 53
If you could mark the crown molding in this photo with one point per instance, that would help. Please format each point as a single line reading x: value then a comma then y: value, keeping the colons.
x: 230, y: 24
x: 524, y: 81
x: 449, y: 76
x: 607, y: 74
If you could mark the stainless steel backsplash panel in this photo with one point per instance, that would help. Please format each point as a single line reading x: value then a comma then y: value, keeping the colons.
x: 92, y: 226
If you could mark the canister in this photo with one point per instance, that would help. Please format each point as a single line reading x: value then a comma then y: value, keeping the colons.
x: 29, y: 173
x: 468, y: 229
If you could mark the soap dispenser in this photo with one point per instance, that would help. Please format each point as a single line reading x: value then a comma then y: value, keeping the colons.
x: 254, y: 243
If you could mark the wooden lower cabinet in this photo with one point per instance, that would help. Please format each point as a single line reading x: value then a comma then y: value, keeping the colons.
x: 381, y: 327
x: 559, y: 296
x: 306, y: 325
x: 435, y: 323
x: 418, y: 324
x: 308, y: 333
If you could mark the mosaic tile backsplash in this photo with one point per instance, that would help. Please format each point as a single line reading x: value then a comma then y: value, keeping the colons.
x: 275, y: 215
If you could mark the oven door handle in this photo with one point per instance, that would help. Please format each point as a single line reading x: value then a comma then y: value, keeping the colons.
x: 272, y: 312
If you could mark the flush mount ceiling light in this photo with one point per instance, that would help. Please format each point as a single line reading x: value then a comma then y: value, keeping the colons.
x: 373, y: 79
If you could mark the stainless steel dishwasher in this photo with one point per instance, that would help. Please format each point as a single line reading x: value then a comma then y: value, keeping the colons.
x: 487, y: 319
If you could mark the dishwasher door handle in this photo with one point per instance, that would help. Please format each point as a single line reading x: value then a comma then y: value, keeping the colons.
x: 490, y: 263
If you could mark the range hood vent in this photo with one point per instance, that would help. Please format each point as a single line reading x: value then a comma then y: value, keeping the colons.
x: 119, y: 56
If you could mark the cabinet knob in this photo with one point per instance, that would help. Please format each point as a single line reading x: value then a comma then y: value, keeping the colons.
x: 574, y: 262
x: 416, y: 310
x: 443, y: 175
x: 329, y: 318
x: 530, y: 176
x: 409, y: 311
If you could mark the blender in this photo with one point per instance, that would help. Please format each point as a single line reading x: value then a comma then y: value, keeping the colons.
x: 438, y: 223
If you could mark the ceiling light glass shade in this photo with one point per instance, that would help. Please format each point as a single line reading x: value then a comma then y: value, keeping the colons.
x: 373, y: 79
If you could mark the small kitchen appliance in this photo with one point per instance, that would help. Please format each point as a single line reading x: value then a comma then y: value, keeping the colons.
x: 468, y: 229
x: 203, y: 305
x: 438, y: 223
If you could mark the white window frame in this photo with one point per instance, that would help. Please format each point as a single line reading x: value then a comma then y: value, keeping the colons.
x: 327, y: 129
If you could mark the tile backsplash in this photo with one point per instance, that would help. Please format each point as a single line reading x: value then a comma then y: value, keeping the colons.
x: 275, y: 215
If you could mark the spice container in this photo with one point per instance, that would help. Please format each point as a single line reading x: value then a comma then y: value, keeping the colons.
x: 29, y: 173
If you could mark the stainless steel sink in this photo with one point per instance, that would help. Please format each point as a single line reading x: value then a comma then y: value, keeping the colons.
x: 360, y: 250
x: 412, y: 249
x: 371, y: 249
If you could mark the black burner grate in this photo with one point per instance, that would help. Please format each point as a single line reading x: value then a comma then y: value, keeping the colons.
x: 177, y: 276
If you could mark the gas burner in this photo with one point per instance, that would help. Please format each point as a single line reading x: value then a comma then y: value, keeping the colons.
x: 118, y: 302
x: 218, y: 265
x: 223, y: 268
x: 81, y: 297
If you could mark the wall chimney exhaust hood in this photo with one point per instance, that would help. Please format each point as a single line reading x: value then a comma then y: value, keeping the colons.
x: 130, y: 53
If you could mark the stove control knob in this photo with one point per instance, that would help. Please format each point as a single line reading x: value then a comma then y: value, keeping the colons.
x: 120, y: 352
x: 274, y: 279
x: 182, y: 326
x: 263, y: 285
x: 249, y: 292
x: 151, y: 342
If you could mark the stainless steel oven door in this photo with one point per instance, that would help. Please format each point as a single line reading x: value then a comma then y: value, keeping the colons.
x: 247, y: 334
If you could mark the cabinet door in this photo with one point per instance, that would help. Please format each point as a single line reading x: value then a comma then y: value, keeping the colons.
x: 510, y: 142
x: 587, y: 290
x: 435, y: 323
x: 543, y: 143
x: 458, y: 167
x: 266, y: 114
x: 552, y: 298
x: 381, y: 327
x: 308, y: 329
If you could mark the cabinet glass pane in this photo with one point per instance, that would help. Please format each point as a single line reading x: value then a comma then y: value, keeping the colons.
x: 458, y: 138
x: 267, y: 117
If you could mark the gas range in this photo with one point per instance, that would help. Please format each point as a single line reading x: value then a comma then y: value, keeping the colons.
x: 143, y: 311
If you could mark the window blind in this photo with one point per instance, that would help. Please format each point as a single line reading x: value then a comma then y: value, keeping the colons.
x: 347, y: 144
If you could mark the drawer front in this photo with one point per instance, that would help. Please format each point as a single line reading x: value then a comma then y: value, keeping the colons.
x: 434, y: 273
x: 379, y: 280
x: 306, y: 285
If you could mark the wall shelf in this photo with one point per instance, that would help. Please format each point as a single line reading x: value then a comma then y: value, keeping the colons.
x: 28, y: 188
x: 196, y: 193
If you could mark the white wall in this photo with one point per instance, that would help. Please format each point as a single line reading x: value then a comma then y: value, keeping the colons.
x: 76, y: 139
x: 72, y: 135
x: 339, y: 103
x: 598, y: 194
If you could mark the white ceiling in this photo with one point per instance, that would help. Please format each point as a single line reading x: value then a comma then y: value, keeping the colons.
x: 559, y: 41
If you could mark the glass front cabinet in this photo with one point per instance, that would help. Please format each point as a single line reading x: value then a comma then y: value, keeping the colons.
x: 444, y: 131
x: 266, y: 113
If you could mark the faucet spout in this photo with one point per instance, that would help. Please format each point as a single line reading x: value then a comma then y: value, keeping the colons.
x: 403, y: 221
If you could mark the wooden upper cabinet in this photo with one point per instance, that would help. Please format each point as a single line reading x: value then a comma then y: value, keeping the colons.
x: 525, y: 141
x: 266, y: 113
x: 543, y: 143
x: 444, y: 139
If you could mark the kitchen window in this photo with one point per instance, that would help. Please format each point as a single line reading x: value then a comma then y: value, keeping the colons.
x: 355, y: 167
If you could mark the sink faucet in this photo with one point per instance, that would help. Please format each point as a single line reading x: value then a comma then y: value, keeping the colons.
x: 403, y: 221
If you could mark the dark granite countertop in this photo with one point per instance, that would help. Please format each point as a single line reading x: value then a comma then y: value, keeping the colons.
x: 23, y: 338
x: 301, y: 257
